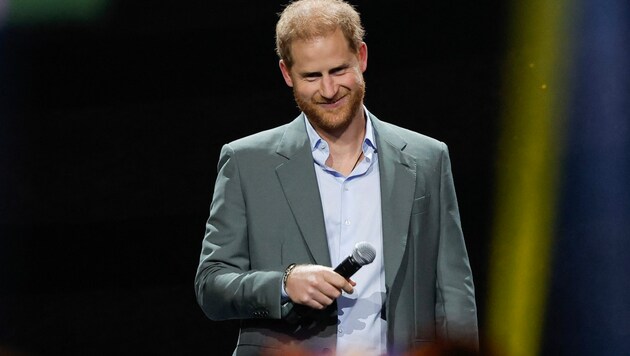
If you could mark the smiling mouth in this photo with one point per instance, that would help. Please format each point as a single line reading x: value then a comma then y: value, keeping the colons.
x: 331, y: 102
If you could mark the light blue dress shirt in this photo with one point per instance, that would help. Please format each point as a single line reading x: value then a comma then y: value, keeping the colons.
x: 352, y: 213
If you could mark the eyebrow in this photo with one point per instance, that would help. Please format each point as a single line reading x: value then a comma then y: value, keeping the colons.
x: 319, y: 74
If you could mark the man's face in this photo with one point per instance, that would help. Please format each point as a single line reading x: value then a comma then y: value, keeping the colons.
x: 327, y: 80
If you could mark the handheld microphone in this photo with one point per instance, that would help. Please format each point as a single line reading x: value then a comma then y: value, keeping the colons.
x: 363, y: 254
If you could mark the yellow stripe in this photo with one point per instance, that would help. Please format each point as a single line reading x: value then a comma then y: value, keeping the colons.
x: 527, y: 170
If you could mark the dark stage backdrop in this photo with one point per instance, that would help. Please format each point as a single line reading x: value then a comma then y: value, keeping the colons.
x: 111, y: 121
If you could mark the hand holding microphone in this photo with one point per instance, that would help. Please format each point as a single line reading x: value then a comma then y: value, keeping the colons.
x: 318, y: 286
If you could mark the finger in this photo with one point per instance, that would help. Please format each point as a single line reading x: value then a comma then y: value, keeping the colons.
x: 341, y: 283
x: 321, y: 301
x: 348, y: 287
x: 331, y: 291
x: 315, y: 304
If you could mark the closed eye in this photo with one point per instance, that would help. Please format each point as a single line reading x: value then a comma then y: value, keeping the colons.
x: 313, y: 76
x: 339, y: 70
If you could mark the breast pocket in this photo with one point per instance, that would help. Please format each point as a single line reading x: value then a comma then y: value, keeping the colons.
x: 420, y: 205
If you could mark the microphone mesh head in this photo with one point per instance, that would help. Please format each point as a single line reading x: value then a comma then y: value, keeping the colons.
x: 363, y: 253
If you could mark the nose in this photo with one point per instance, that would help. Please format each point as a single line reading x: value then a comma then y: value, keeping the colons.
x: 328, y: 87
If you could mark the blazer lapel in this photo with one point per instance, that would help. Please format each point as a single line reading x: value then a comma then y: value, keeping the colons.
x: 398, y: 177
x: 299, y: 183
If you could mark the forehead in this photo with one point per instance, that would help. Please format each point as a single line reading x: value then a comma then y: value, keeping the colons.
x: 321, y: 52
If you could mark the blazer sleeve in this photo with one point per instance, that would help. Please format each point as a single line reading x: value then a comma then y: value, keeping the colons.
x: 456, y: 312
x: 226, y: 287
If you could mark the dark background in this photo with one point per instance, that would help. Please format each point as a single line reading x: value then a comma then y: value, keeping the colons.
x: 110, y: 131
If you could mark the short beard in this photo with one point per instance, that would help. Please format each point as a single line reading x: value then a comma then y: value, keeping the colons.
x: 332, y: 122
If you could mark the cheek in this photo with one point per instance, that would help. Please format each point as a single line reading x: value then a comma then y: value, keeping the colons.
x: 304, y: 91
x: 358, y: 77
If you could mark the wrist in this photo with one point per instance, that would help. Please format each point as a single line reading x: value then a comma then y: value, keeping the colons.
x: 286, y: 274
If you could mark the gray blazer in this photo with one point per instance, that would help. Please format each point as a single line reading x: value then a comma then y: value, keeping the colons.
x: 266, y: 213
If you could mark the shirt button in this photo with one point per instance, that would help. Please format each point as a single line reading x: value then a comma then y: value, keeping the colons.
x: 340, y: 331
x: 347, y: 222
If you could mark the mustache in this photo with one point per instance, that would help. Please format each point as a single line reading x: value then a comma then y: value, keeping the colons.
x: 336, y: 98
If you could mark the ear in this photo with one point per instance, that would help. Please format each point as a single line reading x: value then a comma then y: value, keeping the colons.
x: 363, y: 55
x: 285, y: 73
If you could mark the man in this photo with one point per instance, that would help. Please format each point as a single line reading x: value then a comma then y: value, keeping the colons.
x: 292, y: 202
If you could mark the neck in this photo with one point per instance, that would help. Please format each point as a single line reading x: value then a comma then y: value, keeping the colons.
x: 346, y: 148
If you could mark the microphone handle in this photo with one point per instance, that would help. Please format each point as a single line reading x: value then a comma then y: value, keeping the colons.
x: 348, y: 267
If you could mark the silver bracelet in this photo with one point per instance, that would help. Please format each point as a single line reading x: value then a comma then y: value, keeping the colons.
x: 287, y: 272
